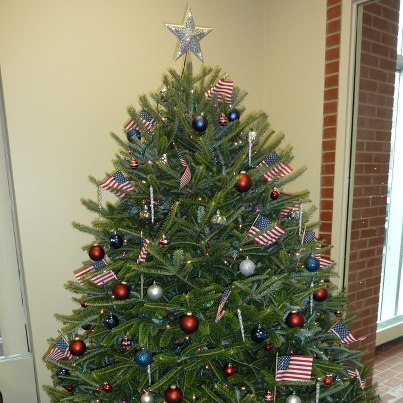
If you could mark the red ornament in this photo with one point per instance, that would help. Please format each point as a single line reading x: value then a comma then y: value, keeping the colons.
x: 77, y: 347
x: 126, y: 343
x: 96, y: 252
x: 83, y: 304
x: 320, y: 295
x: 107, y: 387
x: 327, y: 380
x: 223, y: 121
x: 339, y: 314
x: 229, y: 370
x: 275, y: 194
x: 295, y: 319
x: 121, y: 291
x: 268, y: 396
x: 268, y: 347
x: 163, y: 241
x: 173, y: 395
x: 188, y: 323
x: 134, y: 164
x: 69, y: 388
x: 244, y: 182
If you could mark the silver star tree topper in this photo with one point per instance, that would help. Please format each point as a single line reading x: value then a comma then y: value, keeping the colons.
x: 189, y: 36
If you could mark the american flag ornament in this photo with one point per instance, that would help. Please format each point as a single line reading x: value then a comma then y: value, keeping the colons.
x: 344, y: 333
x: 186, y: 174
x: 103, y: 278
x: 59, y: 351
x: 147, y: 120
x: 222, y: 90
x: 279, y: 170
x: 294, y: 367
x: 83, y: 271
x: 118, y: 184
x: 262, y: 234
x: 143, y: 251
x: 220, y: 310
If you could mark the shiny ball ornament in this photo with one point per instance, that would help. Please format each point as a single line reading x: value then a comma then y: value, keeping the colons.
x: 275, y: 194
x: 293, y: 399
x: 164, y: 241
x: 233, y: 115
x: 293, y: 215
x: 62, y: 372
x: 121, y: 291
x: 327, y: 380
x: 320, y: 295
x: 247, y: 267
x: 154, y: 292
x: 189, y: 323
x: 144, y: 214
x: 268, y: 347
x: 147, y: 397
x: 173, y: 395
x: 244, y: 182
x: 339, y: 314
x: 133, y: 163
x: 133, y: 134
x: 115, y: 241
x: 218, y: 220
x: 83, y: 304
x: 312, y: 264
x: 200, y: 123
x: 110, y: 321
x: 77, y: 347
x: 96, y: 252
x: 229, y: 370
x: 223, y: 121
x: 268, y: 396
x: 295, y: 319
x: 164, y: 94
x: 258, y: 334
x: 69, y: 388
x: 107, y: 387
x: 143, y: 358
x: 126, y: 343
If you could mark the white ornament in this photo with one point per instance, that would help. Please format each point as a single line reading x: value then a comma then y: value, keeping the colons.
x: 247, y: 267
x: 154, y: 292
x: 147, y: 397
x: 293, y: 399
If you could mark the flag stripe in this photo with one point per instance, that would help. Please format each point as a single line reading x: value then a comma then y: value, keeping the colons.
x: 294, y: 368
x: 223, y: 89
x: 104, y: 278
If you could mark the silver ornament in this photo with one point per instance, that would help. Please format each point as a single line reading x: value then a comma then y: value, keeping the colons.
x: 247, y: 267
x: 293, y: 399
x: 164, y: 94
x: 145, y: 214
x: 147, y: 397
x: 218, y: 220
x: 189, y: 36
x: 154, y: 292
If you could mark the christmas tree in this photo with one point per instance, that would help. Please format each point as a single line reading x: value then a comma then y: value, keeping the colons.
x: 205, y: 281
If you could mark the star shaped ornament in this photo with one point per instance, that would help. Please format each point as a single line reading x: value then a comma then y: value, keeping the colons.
x: 189, y: 36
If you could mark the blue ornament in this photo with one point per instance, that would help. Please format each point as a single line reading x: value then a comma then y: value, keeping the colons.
x: 110, y: 321
x: 200, y: 123
x: 312, y: 264
x: 233, y: 115
x: 132, y: 133
x: 143, y: 358
x: 62, y: 372
x: 116, y: 241
x: 258, y: 334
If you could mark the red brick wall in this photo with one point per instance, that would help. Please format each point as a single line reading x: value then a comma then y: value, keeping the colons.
x: 374, y: 123
x: 371, y: 165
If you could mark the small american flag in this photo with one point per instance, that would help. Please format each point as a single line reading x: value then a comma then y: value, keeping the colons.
x: 59, y: 351
x: 294, y: 368
x: 220, y: 310
x: 117, y: 182
x: 267, y: 237
x: 88, y: 269
x: 355, y: 374
x: 344, y: 333
x: 279, y: 170
x: 186, y: 175
x: 324, y: 261
x: 104, y: 277
x: 143, y: 251
x: 223, y: 89
x: 147, y: 120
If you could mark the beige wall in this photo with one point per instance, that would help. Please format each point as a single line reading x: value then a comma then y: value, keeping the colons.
x: 70, y: 69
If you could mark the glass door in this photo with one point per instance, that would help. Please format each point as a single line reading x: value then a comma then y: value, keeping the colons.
x: 17, y: 375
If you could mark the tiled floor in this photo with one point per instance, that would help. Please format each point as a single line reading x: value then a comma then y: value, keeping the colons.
x: 388, y: 371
